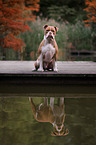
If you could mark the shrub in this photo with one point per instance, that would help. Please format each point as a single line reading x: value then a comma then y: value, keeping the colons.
x: 80, y: 36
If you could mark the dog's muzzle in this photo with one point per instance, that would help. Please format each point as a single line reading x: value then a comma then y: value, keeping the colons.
x: 50, y: 37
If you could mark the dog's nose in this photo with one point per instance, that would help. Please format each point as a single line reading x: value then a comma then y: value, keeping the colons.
x: 50, y: 32
x: 59, y: 125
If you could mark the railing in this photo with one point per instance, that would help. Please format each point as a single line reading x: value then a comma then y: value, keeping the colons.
x: 90, y: 55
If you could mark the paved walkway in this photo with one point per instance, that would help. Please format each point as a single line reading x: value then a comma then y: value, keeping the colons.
x: 64, y: 67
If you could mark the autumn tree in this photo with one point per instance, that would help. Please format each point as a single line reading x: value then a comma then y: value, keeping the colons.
x: 13, y: 17
x: 91, y: 21
x: 91, y: 11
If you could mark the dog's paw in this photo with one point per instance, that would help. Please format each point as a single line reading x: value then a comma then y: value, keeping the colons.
x: 40, y: 69
x: 56, y: 69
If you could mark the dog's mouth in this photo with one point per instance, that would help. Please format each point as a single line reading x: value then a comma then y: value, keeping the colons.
x: 50, y: 37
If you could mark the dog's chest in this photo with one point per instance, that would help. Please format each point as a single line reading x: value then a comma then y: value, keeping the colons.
x: 48, y: 52
x: 58, y: 111
x: 48, y: 48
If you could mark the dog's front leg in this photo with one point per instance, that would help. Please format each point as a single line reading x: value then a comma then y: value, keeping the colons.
x: 54, y: 65
x: 52, y: 103
x: 46, y: 101
x: 41, y: 63
x: 61, y: 101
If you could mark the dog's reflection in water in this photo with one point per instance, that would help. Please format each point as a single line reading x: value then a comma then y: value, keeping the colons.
x: 51, y: 112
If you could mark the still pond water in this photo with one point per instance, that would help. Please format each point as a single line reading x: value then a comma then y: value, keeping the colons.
x: 47, y: 121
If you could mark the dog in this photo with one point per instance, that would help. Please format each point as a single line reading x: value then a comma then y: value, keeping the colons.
x: 47, y: 50
x: 43, y: 113
x: 59, y: 113
x: 52, y: 113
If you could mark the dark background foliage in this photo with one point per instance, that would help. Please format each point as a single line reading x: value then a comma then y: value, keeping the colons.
x: 70, y: 10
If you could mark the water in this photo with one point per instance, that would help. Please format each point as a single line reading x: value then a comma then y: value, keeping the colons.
x: 19, y: 127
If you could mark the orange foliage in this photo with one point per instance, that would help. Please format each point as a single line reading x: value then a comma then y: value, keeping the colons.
x: 13, y: 17
x: 91, y: 11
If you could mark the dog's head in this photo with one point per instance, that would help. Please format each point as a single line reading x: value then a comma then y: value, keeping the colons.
x: 59, y: 131
x: 50, y: 32
x: 58, y: 125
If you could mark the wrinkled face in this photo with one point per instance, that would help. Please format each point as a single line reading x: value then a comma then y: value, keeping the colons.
x: 50, y: 31
x: 59, y: 131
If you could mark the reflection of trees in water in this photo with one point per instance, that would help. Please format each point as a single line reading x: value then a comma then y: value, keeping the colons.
x: 81, y: 120
x: 41, y: 133
x: 17, y: 124
x: 14, y: 120
x: 3, y: 118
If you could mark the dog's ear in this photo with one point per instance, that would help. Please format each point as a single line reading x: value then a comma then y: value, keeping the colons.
x: 53, y: 134
x: 45, y: 26
x: 66, y: 132
x: 56, y: 28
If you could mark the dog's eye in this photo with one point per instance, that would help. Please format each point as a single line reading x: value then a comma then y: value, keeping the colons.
x: 47, y: 30
x: 53, y: 31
